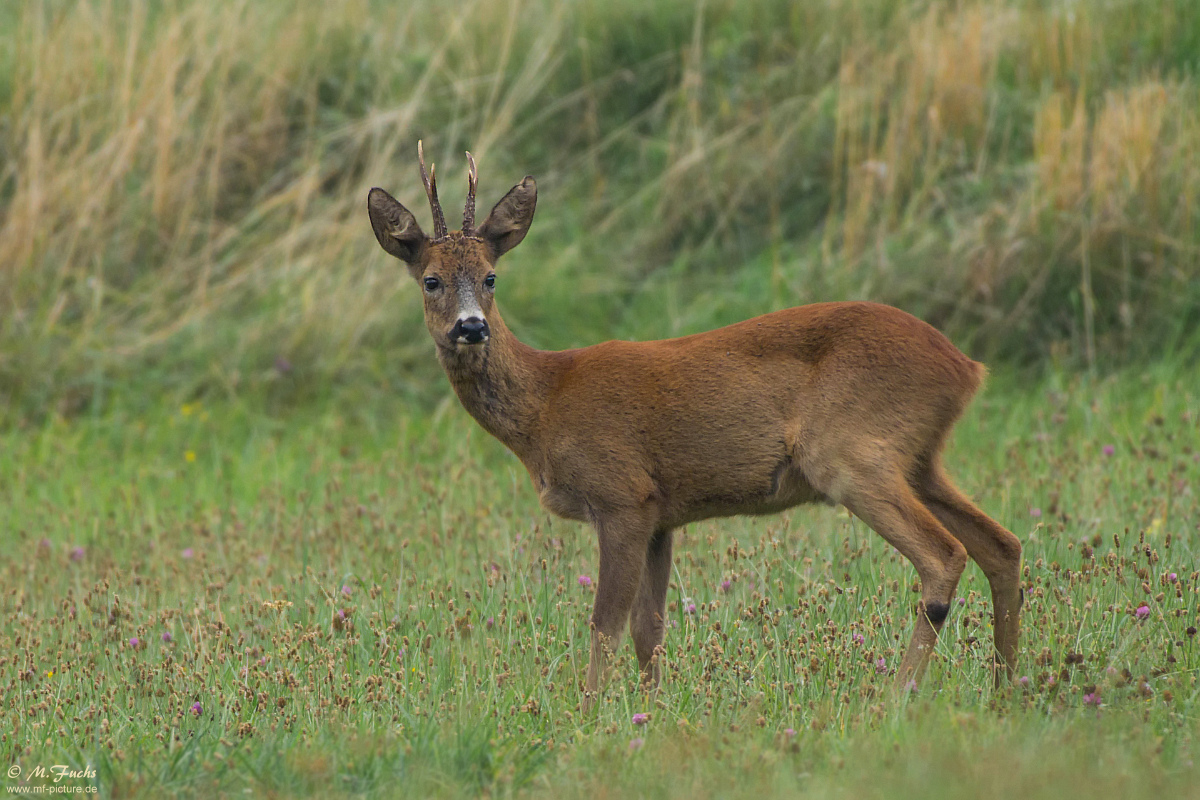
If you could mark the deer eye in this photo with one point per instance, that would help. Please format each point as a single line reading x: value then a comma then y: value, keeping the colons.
x: 490, y: 280
x: 431, y: 284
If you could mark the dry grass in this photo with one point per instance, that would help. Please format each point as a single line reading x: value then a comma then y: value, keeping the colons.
x: 180, y: 201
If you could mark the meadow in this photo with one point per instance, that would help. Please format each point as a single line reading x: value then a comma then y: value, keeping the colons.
x: 251, y: 545
x: 200, y: 603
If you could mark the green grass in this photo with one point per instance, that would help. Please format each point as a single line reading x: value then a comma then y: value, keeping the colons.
x: 455, y: 663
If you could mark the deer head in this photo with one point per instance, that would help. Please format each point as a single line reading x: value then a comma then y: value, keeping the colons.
x: 456, y: 270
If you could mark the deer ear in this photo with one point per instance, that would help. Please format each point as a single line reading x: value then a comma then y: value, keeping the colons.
x: 509, y: 221
x: 395, y: 227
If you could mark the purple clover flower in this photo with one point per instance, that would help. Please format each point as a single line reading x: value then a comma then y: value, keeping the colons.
x: 636, y: 744
x: 585, y: 581
x: 640, y: 718
x: 197, y: 709
x: 1109, y: 449
x: 1142, y: 612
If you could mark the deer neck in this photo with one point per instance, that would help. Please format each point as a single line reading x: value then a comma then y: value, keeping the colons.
x: 503, y: 384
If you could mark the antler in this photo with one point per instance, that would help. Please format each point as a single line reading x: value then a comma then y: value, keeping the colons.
x: 469, y: 209
x: 430, y: 180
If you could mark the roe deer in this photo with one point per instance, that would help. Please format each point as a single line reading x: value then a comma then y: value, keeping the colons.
x: 845, y: 403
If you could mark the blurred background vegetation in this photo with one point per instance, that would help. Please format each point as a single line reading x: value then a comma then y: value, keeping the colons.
x: 183, y: 183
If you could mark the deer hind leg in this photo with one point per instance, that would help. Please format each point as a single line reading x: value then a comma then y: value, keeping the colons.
x: 995, y: 549
x: 650, y: 607
x: 624, y: 540
x: 885, y: 501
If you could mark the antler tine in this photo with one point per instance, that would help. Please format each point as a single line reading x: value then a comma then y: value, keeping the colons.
x: 430, y: 181
x: 469, y: 209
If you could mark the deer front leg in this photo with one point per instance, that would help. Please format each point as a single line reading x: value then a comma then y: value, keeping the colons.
x: 650, y: 607
x: 623, y: 545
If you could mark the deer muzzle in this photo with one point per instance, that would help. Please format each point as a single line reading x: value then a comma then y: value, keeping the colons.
x: 472, y: 330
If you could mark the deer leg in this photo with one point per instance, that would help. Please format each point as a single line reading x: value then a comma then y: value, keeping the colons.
x: 623, y: 546
x: 998, y: 553
x: 888, y: 505
x: 650, y: 607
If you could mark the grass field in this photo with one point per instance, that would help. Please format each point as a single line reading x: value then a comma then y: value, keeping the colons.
x: 249, y: 545
x: 200, y: 602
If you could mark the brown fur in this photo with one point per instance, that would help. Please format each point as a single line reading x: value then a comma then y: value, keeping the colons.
x: 847, y: 403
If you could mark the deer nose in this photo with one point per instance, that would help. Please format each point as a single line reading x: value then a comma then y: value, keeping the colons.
x: 471, y: 330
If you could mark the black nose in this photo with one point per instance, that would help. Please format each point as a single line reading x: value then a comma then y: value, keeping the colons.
x: 472, y: 330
